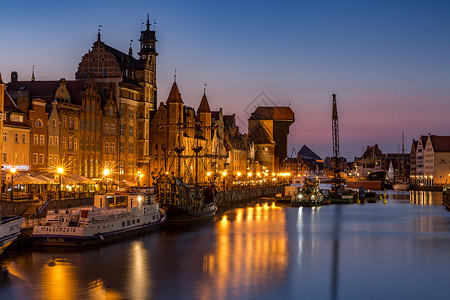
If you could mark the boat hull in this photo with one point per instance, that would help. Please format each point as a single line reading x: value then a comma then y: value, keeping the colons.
x: 62, y: 240
x: 401, y: 187
x: 9, y: 231
x: 180, y: 214
x: 342, y: 199
x: 366, y: 184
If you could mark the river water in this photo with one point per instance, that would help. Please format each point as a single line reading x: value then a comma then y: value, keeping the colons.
x: 398, y: 250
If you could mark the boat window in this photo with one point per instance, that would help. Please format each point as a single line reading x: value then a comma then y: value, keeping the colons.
x: 134, y: 221
x: 139, y: 220
x: 128, y: 222
x: 123, y: 223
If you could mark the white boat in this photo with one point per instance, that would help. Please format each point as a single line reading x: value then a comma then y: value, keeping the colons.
x: 9, y: 231
x: 401, y: 186
x: 112, y: 216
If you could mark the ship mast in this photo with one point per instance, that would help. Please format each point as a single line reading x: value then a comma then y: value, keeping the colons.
x: 196, y: 149
x: 179, y: 149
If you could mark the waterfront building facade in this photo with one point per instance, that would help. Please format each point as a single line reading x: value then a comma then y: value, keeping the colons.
x: 437, y: 160
x: 130, y: 84
x: 15, y: 137
x: 268, y: 128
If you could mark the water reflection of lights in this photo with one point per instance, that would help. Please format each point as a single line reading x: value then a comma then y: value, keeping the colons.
x: 224, y: 220
x: 425, y: 197
x: 138, y: 283
x: 300, y: 234
x: 250, y: 249
x: 59, y: 280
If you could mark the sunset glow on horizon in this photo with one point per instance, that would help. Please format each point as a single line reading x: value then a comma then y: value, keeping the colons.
x: 387, y: 62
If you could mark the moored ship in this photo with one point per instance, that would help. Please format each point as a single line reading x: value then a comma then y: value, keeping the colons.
x: 9, y: 230
x: 309, y: 194
x: 112, y: 216
x: 185, y: 202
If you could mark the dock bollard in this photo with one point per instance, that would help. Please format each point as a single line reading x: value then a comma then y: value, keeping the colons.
x: 384, y: 201
x: 357, y: 199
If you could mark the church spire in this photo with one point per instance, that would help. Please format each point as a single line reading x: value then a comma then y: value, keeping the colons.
x: 130, y: 51
x: 98, y: 33
x: 174, y: 95
x: 148, y: 41
x: 204, y: 105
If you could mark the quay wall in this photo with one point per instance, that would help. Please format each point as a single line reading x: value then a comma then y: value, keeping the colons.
x: 247, y: 194
x: 223, y: 198
x: 8, y: 208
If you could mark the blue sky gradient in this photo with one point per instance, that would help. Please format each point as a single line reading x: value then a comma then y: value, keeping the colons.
x: 387, y: 61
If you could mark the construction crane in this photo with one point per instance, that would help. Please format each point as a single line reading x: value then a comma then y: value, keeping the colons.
x: 335, y: 130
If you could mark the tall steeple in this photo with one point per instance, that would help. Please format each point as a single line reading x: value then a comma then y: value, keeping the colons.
x: 98, y: 33
x: 174, y: 95
x: 148, y: 41
x: 204, y: 105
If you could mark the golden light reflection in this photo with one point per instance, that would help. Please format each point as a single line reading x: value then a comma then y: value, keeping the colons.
x: 224, y: 220
x: 59, y: 280
x: 425, y: 197
x: 239, y: 213
x: 139, y: 284
x: 251, y: 249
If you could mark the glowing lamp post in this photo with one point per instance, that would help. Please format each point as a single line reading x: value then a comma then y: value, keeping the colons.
x: 139, y: 175
x: 60, y: 172
x: 224, y: 174
x: 239, y: 175
x: 106, y: 173
x: 13, y: 170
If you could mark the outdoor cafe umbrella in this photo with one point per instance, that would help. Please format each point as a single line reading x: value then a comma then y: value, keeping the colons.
x: 28, y: 179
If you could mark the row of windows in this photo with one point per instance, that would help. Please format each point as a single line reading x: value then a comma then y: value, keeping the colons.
x: 16, y: 118
x: 110, y: 128
x: 16, y: 158
x: 38, y: 158
x: 18, y: 138
x: 110, y: 148
x: 38, y: 140
x: 53, y: 159
x: 73, y: 122
x: 72, y: 145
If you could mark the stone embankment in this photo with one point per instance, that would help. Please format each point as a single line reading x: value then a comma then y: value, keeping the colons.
x: 30, y: 208
x: 247, y: 194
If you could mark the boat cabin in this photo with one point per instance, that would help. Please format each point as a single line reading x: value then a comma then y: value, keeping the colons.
x: 116, y: 201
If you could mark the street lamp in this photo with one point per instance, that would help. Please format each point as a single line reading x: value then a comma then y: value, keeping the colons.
x: 60, y: 172
x: 13, y: 171
x: 139, y: 175
x: 224, y: 174
x: 239, y: 175
x: 106, y: 172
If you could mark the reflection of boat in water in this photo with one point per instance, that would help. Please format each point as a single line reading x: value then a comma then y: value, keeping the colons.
x: 9, y: 230
x: 185, y: 202
x: 111, y: 217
